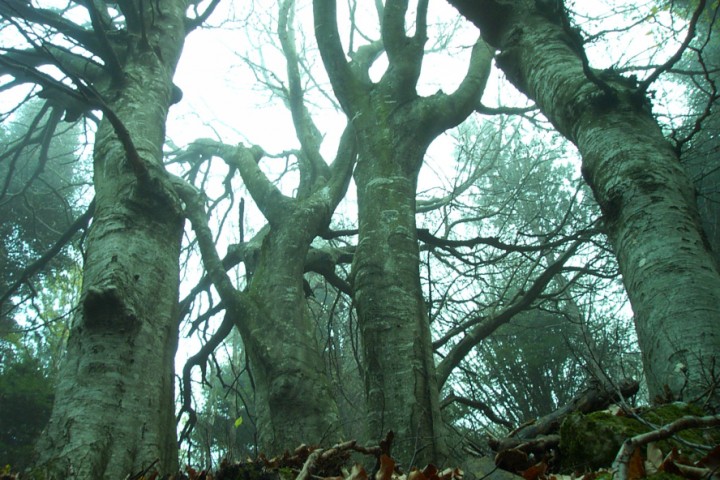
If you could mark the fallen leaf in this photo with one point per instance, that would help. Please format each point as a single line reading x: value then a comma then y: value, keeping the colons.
x: 535, y: 472
x: 416, y: 474
x: 430, y: 471
x: 358, y: 473
x: 387, y: 465
x: 636, y: 466
x: 712, y: 459
x: 654, y: 458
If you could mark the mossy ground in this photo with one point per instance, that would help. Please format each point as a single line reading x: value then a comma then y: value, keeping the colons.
x: 591, y: 442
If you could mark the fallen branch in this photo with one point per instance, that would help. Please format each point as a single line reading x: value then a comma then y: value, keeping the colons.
x: 589, y: 400
x: 321, y: 454
x: 622, y: 460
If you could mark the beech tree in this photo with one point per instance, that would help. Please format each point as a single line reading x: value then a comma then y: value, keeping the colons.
x: 114, y: 403
x: 395, y: 126
x: 293, y: 400
x: 694, y: 138
x: 491, y: 265
x: 647, y: 200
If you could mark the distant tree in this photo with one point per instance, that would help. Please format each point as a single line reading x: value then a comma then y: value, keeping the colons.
x: 498, y: 268
x: 26, y: 396
x: 42, y: 184
x: 225, y: 426
x: 699, y: 145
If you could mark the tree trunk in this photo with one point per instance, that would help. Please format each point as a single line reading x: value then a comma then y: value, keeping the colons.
x: 114, y: 403
x: 400, y: 382
x: 394, y: 127
x: 293, y: 398
x: 294, y: 401
x: 647, y: 201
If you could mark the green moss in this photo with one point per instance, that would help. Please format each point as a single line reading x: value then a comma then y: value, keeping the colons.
x: 604, y: 476
x: 591, y: 442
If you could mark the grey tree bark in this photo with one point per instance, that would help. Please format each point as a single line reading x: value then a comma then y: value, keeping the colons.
x: 646, y: 198
x: 114, y: 403
x: 394, y: 127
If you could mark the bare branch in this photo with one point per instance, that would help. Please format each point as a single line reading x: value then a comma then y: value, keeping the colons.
x: 80, y: 223
x: 645, y: 84
x: 623, y: 457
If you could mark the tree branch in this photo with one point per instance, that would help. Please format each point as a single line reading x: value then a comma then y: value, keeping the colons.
x: 80, y: 223
x: 486, y: 325
x: 630, y: 445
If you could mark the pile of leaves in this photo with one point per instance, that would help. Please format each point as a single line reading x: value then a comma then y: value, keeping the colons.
x: 653, y: 462
x: 308, y: 462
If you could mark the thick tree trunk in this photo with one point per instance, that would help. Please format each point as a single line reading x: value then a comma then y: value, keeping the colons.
x: 647, y: 200
x: 294, y: 401
x: 114, y: 403
x: 293, y: 398
x: 394, y: 127
x: 401, y: 384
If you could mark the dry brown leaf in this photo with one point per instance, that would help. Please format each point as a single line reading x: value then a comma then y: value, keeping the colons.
x: 387, y: 466
x: 357, y: 473
x: 654, y: 458
x: 712, y: 459
x: 636, y: 466
x: 430, y: 471
x: 416, y: 474
x: 535, y: 472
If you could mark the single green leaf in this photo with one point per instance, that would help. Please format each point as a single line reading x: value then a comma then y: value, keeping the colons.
x: 238, y: 422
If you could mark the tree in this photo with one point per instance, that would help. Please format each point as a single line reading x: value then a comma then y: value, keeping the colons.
x: 294, y: 402
x: 647, y: 201
x: 698, y: 72
x: 39, y: 196
x: 25, y: 404
x: 109, y: 418
x: 394, y: 126
x: 493, y: 273
x: 225, y: 428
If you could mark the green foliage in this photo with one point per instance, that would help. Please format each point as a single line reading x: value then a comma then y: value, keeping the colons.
x: 225, y: 427
x: 26, y: 396
x: 40, y: 182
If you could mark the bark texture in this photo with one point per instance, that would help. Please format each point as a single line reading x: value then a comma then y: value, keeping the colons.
x: 114, y: 403
x: 293, y: 398
x: 646, y: 198
x: 394, y: 127
x: 294, y: 401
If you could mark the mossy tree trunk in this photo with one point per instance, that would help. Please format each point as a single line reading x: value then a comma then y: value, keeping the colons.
x: 647, y: 200
x: 293, y: 397
x: 394, y: 127
x: 114, y: 403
